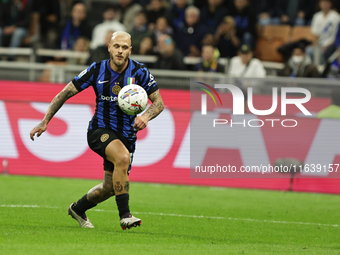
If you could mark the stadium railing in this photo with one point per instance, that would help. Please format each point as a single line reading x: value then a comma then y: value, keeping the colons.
x: 140, y: 58
x: 28, y: 52
x: 32, y: 71
x: 23, y: 71
x: 62, y: 53
x: 32, y: 55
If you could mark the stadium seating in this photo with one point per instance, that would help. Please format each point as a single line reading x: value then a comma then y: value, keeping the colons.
x: 277, y: 31
x: 274, y: 36
x: 299, y: 33
x: 266, y: 49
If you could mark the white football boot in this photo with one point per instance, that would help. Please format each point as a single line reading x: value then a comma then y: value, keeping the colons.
x: 83, y: 221
x: 129, y: 222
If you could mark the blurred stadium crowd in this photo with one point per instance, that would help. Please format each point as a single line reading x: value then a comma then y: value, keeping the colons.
x: 302, y: 34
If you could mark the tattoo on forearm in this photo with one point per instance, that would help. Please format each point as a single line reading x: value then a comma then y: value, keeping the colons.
x: 118, y: 187
x: 69, y: 91
x: 157, y: 106
x: 40, y: 125
x: 127, y: 186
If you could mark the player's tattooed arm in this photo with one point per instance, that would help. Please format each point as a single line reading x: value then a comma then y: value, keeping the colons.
x: 156, y: 107
x: 152, y: 112
x: 69, y: 91
x: 57, y: 102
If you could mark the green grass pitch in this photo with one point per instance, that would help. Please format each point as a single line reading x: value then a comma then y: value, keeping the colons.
x: 175, y: 220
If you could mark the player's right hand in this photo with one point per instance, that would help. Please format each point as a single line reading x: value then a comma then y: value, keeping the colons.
x: 40, y: 128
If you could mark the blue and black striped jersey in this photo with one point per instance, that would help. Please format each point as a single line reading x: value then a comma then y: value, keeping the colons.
x: 107, y: 84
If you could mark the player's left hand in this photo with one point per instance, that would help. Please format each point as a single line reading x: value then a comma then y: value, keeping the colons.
x: 140, y: 123
x: 40, y: 128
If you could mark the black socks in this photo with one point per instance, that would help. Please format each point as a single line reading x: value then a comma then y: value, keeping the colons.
x: 82, y: 205
x: 123, y: 204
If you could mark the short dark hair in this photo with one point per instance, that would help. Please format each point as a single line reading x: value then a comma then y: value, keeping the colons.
x: 77, y: 2
x: 331, y: 1
x: 142, y: 12
x: 300, y: 46
x: 109, y: 7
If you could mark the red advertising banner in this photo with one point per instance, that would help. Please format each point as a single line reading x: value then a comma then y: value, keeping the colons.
x: 163, y: 148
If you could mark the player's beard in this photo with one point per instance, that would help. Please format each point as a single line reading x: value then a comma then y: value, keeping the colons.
x: 119, y: 62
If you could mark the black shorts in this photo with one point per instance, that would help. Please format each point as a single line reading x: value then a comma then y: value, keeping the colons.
x: 99, y: 138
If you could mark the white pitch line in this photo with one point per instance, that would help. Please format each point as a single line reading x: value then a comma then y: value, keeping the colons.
x: 30, y: 206
x: 188, y: 216
x: 167, y: 214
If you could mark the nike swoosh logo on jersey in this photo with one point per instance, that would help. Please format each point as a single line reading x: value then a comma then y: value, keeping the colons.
x: 100, y: 82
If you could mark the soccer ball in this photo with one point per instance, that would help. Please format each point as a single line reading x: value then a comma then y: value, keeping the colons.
x: 132, y: 99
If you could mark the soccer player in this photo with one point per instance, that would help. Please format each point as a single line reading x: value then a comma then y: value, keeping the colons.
x: 111, y: 133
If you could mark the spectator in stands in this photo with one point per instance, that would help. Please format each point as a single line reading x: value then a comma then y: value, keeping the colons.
x: 46, y: 23
x: 14, y: 22
x: 139, y: 31
x: 146, y: 47
x: 336, y: 64
x: 225, y: 38
x: 266, y: 11
x: 245, y: 21
x: 169, y: 56
x: 65, y: 10
x: 176, y: 14
x: 213, y: 14
x: 155, y: 10
x: 126, y: 13
x: 189, y: 37
x: 100, y: 53
x: 209, y: 61
x: 333, y: 47
x: 305, y: 13
x: 287, y: 11
x: 332, y: 111
x: 337, y: 48
x: 162, y: 27
x: 324, y: 27
x: 244, y: 65
x: 110, y: 23
x: 75, y: 27
x: 208, y: 39
x: 82, y: 44
x: 332, y: 68
x: 286, y: 49
x: 299, y: 65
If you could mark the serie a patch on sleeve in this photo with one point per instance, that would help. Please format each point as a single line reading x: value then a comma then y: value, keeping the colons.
x: 82, y: 73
